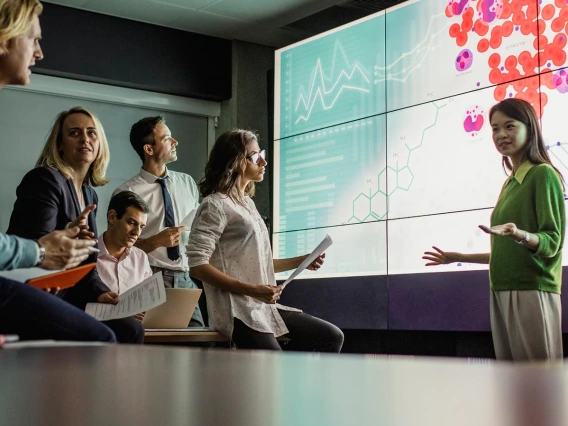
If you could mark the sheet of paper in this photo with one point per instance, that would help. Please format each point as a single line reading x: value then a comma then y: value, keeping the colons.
x: 188, y: 220
x: 141, y: 298
x: 22, y: 275
x: 321, y: 248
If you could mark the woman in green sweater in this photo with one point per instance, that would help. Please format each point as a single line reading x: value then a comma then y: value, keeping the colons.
x: 527, y: 235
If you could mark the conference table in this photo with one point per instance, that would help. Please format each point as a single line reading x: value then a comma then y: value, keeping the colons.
x: 153, y: 385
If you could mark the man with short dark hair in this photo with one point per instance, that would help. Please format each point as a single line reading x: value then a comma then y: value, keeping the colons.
x: 120, y: 264
x: 171, y: 196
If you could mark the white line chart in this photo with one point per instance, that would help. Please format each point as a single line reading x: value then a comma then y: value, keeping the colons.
x: 419, y: 54
x: 324, y: 88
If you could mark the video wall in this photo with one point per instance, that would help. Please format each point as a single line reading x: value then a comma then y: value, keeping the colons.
x: 382, y: 136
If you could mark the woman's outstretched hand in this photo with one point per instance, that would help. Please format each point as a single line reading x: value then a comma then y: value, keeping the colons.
x: 440, y: 257
x: 501, y: 230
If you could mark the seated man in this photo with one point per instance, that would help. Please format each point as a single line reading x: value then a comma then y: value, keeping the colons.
x: 120, y: 264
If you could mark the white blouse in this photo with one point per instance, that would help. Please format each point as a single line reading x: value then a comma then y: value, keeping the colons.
x: 234, y: 239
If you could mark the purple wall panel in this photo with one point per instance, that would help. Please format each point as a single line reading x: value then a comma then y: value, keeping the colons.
x: 349, y: 303
x: 451, y: 301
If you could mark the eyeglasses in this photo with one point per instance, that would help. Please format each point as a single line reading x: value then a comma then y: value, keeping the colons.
x: 257, y: 156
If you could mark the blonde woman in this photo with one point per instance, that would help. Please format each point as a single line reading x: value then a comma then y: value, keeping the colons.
x: 24, y: 310
x: 59, y: 194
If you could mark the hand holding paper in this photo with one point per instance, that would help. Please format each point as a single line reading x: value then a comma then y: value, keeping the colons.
x: 317, y: 263
x: 143, y: 297
x: 314, y: 255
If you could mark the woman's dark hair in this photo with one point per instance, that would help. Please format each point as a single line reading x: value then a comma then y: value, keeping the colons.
x: 535, y: 149
x: 227, y: 162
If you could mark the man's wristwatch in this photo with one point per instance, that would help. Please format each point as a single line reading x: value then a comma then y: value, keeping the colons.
x: 525, y: 240
x: 40, y: 255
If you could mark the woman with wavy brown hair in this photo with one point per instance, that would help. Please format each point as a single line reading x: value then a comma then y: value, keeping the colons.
x: 229, y: 250
x: 527, y: 231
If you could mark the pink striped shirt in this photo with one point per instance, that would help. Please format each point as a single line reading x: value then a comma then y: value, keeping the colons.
x: 121, y: 274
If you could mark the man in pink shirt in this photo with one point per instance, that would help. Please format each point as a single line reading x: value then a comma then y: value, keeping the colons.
x: 120, y: 264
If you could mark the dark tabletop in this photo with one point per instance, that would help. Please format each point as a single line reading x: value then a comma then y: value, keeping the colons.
x: 141, y: 385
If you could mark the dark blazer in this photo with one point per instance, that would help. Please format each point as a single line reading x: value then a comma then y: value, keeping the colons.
x: 46, y: 201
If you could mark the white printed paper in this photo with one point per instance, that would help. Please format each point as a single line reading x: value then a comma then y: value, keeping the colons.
x: 188, y: 220
x: 141, y: 298
x: 320, y: 249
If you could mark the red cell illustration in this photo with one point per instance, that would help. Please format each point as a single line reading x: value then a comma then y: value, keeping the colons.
x: 490, y: 22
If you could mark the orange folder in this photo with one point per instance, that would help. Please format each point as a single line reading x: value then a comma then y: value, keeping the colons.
x: 62, y: 279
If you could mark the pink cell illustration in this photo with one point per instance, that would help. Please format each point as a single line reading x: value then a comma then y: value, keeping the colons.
x: 489, y: 10
x: 456, y: 7
x: 488, y: 24
x: 474, y: 120
x: 560, y: 81
x: 464, y: 60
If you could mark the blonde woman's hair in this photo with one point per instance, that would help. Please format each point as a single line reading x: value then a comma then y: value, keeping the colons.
x: 51, y: 154
x: 16, y: 17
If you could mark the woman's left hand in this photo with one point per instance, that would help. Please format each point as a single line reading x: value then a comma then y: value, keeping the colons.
x: 508, y: 229
x: 316, y: 264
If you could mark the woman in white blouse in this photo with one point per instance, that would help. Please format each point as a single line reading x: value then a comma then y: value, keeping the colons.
x: 229, y: 250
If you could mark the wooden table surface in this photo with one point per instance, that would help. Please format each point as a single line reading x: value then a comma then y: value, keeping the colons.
x: 146, y: 385
x: 184, y: 336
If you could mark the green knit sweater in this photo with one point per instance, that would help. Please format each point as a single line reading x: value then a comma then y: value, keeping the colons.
x: 533, y: 200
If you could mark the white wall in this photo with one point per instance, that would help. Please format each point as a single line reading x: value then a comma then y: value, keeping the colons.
x: 28, y: 113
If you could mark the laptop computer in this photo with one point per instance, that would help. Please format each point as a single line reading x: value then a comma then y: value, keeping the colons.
x: 176, y: 312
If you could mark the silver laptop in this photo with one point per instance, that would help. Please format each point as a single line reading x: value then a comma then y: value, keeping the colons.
x: 177, y: 310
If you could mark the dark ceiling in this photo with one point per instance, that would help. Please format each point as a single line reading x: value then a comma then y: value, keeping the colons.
x: 340, y: 14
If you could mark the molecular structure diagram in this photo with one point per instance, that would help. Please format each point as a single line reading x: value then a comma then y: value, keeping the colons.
x: 374, y: 205
x: 491, y: 22
x: 504, y: 17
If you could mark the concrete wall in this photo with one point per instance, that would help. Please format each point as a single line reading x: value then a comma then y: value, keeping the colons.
x: 248, y: 107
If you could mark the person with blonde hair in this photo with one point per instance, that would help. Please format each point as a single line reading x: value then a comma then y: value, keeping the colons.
x: 58, y: 193
x: 20, y: 34
x: 229, y: 250
x: 24, y: 310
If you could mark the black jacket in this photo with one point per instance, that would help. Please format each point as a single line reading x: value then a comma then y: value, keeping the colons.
x: 46, y: 201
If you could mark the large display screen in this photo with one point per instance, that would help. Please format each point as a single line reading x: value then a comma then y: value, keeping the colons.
x: 382, y: 137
